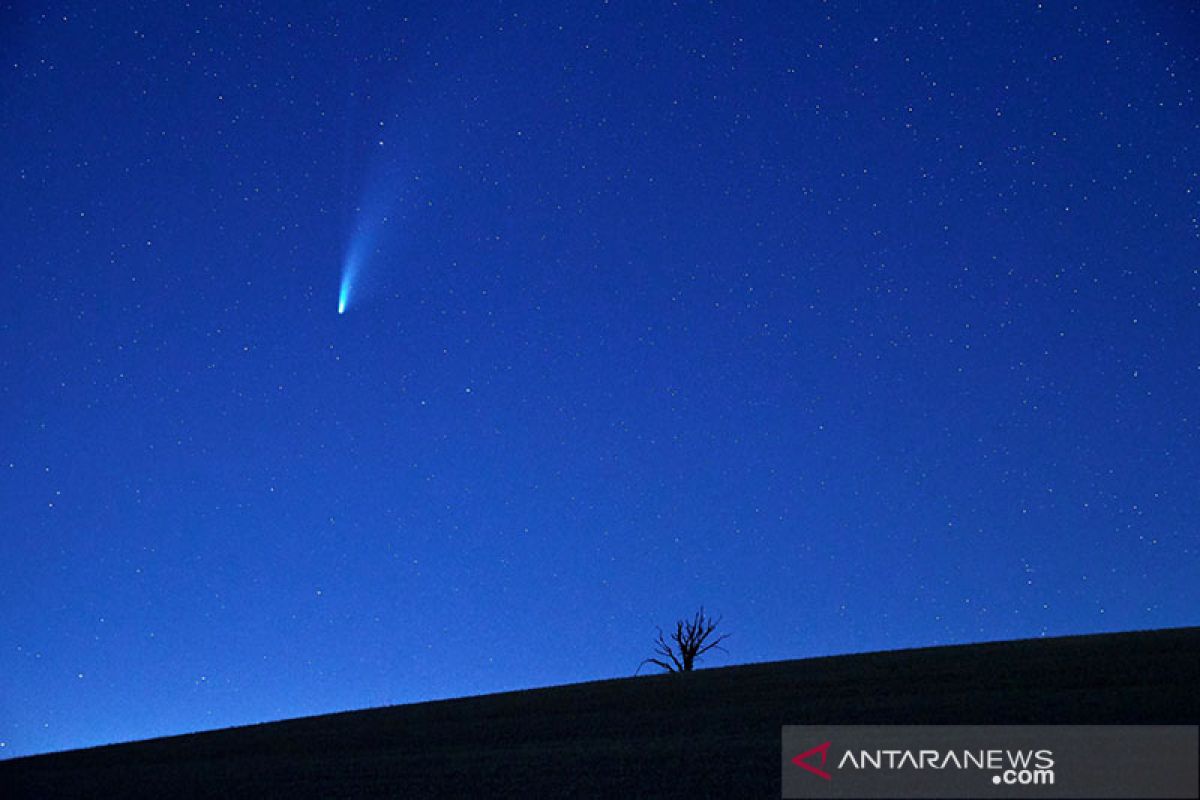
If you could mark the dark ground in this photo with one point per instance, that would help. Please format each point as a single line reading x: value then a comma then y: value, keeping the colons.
x: 710, y: 733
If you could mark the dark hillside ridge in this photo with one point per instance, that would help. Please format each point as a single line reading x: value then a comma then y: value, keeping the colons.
x: 709, y: 733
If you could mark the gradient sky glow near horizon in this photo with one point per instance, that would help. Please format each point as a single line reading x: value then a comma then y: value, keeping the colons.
x: 865, y: 327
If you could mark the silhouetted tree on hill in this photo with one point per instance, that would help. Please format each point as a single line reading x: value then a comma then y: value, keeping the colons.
x: 691, y: 639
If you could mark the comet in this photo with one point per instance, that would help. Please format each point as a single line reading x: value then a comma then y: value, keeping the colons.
x: 371, y: 234
x: 344, y: 293
x: 350, y: 268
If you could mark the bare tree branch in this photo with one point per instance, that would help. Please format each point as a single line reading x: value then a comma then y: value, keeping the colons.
x: 690, y: 640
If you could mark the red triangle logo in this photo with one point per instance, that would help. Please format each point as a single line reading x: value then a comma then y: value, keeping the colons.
x: 802, y: 760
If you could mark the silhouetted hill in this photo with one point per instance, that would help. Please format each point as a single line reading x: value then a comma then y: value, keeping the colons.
x: 711, y: 733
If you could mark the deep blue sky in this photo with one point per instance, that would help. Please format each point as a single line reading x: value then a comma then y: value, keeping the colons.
x: 867, y: 327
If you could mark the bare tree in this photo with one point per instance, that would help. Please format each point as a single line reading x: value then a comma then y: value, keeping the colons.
x: 691, y: 639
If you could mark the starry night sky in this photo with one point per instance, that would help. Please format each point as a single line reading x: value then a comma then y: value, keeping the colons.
x: 866, y: 327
